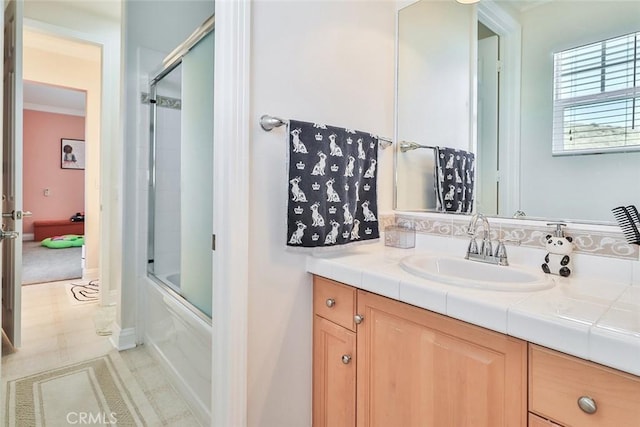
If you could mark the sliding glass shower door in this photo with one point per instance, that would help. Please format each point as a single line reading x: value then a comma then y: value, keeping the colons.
x: 181, y: 174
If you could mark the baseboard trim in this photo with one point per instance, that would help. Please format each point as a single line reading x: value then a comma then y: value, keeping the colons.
x: 90, y: 273
x: 123, y: 339
x: 199, y: 410
x: 28, y: 237
x: 111, y: 297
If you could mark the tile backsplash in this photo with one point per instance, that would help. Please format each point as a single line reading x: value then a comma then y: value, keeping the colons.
x: 602, y: 241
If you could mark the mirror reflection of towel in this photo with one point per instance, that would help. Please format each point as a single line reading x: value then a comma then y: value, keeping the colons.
x: 455, y: 180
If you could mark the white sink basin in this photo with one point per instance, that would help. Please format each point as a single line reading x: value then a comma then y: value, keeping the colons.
x: 473, y: 274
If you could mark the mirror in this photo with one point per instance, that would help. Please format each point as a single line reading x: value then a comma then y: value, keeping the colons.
x: 451, y: 93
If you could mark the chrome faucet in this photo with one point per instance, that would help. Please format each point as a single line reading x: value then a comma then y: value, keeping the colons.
x: 485, y: 252
x: 486, y: 246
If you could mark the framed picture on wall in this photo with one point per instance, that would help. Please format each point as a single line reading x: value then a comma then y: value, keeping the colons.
x: 72, y: 153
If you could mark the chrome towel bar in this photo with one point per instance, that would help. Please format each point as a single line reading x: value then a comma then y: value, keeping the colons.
x: 267, y: 123
x: 408, y: 146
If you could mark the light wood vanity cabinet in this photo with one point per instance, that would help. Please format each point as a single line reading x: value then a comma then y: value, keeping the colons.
x: 381, y: 362
x: 334, y: 354
x: 414, y: 367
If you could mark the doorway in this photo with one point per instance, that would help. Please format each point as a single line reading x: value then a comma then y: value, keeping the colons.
x: 63, y: 62
x: 72, y: 64
x: 53, y: 190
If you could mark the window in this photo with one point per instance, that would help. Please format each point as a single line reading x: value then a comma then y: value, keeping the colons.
x: 597, y: 97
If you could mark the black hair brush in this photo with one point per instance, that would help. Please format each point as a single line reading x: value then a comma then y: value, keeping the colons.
x: 629, y: 221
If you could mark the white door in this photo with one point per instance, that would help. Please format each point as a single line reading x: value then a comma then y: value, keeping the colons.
x: 10, y: 236
x: 487, y: 166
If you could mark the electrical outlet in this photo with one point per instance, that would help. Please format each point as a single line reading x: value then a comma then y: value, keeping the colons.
x: 47, y: 192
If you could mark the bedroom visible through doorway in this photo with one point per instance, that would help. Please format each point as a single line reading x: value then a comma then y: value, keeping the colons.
x: 54, y: 194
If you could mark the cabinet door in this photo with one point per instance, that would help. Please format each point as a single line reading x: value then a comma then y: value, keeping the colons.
x: 418, y: 368
x: 334, y: 375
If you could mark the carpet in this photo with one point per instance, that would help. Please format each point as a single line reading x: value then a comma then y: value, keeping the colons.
x: 40, y: 264
x: 100, y: 391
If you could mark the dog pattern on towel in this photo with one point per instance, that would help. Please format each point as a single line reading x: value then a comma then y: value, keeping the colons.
x: 454, y: 180
x: 332, y: 196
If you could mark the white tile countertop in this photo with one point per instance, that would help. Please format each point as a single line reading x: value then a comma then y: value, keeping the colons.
x: 589, y: 318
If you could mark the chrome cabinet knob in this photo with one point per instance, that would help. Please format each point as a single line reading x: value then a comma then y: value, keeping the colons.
x: 587, y: 404
x: 358, y: 319
x: 330, y: 302
x: 346, y: 359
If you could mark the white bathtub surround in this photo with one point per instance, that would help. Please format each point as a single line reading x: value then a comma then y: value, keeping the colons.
x: 181, y: 341
x: 589, y: 315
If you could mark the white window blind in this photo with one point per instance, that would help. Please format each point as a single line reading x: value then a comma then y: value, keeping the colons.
x: 596, y: 105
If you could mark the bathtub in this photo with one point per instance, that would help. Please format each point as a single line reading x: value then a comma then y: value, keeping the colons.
x: 174, y: 279
x: 180, y: 338
x: 171, y: 279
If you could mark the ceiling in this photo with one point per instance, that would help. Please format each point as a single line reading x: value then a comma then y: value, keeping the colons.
x: 524, y: 5
x: 110, y: 9
x: 43, y: 97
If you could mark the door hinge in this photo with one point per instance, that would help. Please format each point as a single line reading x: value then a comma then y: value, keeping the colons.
x: 499, y: 66
x: 213, y: 242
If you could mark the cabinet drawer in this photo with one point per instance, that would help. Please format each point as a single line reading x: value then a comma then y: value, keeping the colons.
x: 536, y: 421
x: 334, y: 301
x: 557, y: 381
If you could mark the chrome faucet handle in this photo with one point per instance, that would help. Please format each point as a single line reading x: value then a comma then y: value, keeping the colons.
x: 501, y: 250
x: 472, y: 248
x: 486, y: 248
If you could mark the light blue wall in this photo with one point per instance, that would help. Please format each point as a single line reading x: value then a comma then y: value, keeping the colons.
x: 569, y: 187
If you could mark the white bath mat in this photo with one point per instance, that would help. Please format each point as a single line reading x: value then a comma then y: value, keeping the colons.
x: 102, y: 391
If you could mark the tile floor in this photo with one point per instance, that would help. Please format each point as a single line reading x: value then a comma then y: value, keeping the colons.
x: 56, y: 333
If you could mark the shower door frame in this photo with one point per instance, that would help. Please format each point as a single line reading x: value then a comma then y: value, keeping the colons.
x: 170, y: 63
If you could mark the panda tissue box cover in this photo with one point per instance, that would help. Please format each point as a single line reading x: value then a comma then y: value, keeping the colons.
x: 559, y: 248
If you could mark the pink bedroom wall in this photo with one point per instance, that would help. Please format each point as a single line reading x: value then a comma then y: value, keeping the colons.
x: 41, y: 162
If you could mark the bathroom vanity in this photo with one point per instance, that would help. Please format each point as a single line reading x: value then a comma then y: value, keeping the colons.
x: 396, y: 364
x: 381, y: 358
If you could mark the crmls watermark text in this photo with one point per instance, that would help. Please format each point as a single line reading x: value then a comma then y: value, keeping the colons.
x: 101, y: 418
